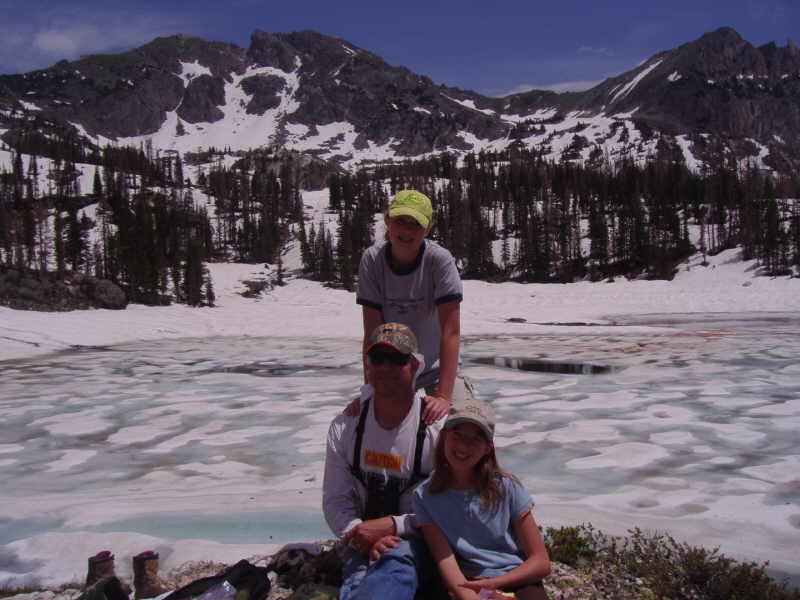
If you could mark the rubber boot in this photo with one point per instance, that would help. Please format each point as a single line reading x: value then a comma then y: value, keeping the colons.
x: 145, y: 575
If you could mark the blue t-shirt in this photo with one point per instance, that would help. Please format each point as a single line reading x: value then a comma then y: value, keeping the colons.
x: 482, y: 539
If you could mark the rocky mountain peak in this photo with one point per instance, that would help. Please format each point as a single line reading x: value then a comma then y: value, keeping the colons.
x: 269, y: 50
x: 326, y: 96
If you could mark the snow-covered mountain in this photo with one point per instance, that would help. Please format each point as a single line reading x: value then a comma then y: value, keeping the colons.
x: 711, y: 100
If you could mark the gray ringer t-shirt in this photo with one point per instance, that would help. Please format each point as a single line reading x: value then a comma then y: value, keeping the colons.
x: 411, y: 297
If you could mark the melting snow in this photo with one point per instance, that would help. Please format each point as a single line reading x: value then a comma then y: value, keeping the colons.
x: 470, y: 104
x: 190, y: 70
x: 686, y: 147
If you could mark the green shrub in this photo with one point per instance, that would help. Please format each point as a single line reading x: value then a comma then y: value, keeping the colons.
x: 570, y: 545
x: 677, y: 571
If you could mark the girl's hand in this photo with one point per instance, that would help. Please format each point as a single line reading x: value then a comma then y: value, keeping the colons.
x: 354, y: 408
x: 387, y: 542
x: 436, y: 407
x: 486, y: 589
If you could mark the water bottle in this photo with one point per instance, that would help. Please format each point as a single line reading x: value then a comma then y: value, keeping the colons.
x: 221, y: 591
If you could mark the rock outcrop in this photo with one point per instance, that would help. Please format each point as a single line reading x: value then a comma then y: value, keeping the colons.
x: 25, y: 289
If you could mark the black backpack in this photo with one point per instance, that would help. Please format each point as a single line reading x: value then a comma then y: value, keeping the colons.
x: 251, y: 583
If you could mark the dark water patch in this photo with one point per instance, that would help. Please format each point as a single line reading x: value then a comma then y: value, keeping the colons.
x: 17, y: 571
x: 275, y: 369
x: 546, y: 366
x: 256, y: 527
x: 16, y: 529
x: 784, y: 493
x: 571, y: 324
x: 85, y: 348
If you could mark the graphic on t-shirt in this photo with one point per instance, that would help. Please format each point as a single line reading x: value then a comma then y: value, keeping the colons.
x: 382, y: 460
x: 383, y: 494
x: 404, y: 305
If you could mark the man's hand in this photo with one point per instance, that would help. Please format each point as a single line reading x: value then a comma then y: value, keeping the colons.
x: 436, y: 407
x: 387, y: 542
x: 363, y: 536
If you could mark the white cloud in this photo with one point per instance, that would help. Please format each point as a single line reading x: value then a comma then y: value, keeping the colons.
x: 37, y: 38
x: 596, y: 51
x: 564, y: 86
x: 66, y: 42
x: 768, y: 11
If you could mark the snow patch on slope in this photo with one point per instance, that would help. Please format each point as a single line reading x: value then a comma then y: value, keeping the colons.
x: 237, y: 129
x: 191, y: 70
x: 626, y: 89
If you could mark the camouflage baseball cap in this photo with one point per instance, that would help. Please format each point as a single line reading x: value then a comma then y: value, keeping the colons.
x: 413, y: 204
x: 472, y: 410
x: 396, y: 335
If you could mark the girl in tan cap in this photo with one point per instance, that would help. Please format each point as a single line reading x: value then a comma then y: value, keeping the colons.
x: 478, y: 520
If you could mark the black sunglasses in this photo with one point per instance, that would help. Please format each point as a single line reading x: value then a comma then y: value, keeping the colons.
x: 377, y: 357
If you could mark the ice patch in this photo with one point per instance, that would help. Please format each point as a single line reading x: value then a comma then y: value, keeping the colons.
x: 71, y: 458
x: 672, y: 438
x: 630, y: 455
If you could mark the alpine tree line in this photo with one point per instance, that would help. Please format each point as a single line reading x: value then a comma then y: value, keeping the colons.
x: 513, y: 215
x: 136, y: 226
x: 505, y: 216
x: 140, y: 225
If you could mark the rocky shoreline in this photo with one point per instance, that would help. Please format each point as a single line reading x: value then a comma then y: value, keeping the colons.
x: 26, y: 289
x: 312, y: 571
x: 586, y: 565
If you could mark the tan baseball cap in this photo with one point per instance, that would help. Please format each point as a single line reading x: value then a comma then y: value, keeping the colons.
x: 472, y: 410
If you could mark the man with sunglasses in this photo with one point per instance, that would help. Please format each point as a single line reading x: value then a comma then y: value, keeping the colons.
x: 373, y: 463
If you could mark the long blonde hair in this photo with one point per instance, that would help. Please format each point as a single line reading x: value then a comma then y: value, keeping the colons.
x: 488, y: 474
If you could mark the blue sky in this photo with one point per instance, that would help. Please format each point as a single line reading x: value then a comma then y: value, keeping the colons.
x: 491, y: 47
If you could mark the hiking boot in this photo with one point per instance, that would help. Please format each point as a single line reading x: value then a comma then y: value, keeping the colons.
x: 108, y: 588
x: 101, y: 565
x: 145, y: 575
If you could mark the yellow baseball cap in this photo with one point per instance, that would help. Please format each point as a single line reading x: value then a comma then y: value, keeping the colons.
x: 413, y: 204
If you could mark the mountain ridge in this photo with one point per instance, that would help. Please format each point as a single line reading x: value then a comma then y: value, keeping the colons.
x: 714, y: 99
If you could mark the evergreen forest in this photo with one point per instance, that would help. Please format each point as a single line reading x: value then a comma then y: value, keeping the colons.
x: 150, y: 220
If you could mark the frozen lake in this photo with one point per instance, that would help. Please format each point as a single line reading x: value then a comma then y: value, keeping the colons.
x: 685, y: 424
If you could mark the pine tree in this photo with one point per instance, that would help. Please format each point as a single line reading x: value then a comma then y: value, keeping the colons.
x: 179, y: 177
x: 209, y: 295
x: 279, y: 271
x: 97, y: 184
x: 193, y: 274
x: 58, y: 242
x: 344, y: 252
